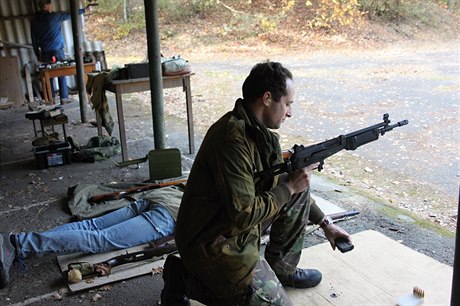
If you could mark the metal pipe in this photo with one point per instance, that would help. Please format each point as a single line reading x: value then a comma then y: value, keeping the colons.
x: 76, y: 31
x: 156, y: 78
x: 455, y: 295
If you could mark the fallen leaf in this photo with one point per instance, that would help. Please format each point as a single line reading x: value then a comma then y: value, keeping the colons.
x: 96, y: 297
x: 57, y: 297
x: 103, y: 269
x: 63, y: 290
x: 157, y: 270
x: 105, y: 288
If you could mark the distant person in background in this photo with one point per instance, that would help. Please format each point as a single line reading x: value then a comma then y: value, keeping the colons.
x: 48, y: 42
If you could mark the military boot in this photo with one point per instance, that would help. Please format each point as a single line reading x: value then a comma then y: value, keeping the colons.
x: 301, y: 278
x: 7, y: 256
x: 173, y: 293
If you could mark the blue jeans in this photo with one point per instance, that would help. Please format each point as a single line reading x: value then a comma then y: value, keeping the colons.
x: 62, y: 81
x: 126, y: 227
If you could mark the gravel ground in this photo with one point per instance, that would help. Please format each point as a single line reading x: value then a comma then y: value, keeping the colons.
x: 374, y: 216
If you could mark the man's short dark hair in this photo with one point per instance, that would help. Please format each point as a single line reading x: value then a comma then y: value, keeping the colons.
x: 42, y: 3
x: 267, y: 76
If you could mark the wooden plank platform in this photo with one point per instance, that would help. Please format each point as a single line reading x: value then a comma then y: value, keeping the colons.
x: 377, y: 272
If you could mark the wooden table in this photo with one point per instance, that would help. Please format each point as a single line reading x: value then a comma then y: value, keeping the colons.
x: 48, y: 73
x: 120, y: 87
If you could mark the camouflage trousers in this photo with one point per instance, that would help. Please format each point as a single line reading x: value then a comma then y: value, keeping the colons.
x: 282, y: 255
x: 287, y: 234
x: 265, y: 288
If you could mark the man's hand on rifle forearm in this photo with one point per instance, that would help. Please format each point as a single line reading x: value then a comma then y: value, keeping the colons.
x: 299, y: 180
x: 332, y: 232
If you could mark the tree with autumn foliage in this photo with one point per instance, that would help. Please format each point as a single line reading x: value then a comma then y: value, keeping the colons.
x: 245, y: 18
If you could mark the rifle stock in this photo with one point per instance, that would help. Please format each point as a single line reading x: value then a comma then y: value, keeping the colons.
x: 300, y: 157
x: 95, y: 199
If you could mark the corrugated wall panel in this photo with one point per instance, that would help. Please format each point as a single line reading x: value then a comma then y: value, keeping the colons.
x: 15, y: 18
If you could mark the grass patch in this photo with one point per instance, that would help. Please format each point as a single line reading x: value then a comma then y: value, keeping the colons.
x: 390, y: 211
x: 393, y: 212
x: 408, y: 197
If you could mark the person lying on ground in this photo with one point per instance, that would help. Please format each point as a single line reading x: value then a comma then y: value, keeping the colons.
x: 140, y: 222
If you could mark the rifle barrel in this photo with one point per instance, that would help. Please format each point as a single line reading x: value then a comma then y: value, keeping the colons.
x: 345, y: 214
x: 300, y: 156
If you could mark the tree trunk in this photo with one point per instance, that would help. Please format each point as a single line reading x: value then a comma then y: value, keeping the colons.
x: 126, y: 10
x: 450, y: 5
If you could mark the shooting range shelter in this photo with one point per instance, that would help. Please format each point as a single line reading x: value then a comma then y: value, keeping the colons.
x: 16, y: 54
x: 15, y: 47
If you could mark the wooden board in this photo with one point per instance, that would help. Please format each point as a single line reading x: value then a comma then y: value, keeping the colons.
x: 118, y: 273
x: 10, y: 80
x: 30, y: 90
x: 377, y: 272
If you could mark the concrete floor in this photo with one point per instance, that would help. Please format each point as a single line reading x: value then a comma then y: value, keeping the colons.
x: 35, y: 200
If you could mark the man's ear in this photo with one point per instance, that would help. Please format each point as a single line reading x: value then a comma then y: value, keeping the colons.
x: 267, y: 98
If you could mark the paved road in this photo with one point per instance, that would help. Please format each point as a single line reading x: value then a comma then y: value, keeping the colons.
x: 352, y: 91
x: 339, y: 92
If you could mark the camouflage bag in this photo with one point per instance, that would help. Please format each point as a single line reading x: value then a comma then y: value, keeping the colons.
x: 98, y: 148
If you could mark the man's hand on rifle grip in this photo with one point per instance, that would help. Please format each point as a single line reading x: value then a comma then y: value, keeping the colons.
x: 299, y: 180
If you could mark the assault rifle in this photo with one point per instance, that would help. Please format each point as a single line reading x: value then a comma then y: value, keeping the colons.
x: 104, y: 268
x: 299, y: 156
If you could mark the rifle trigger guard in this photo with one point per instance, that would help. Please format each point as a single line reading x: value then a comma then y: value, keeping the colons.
x: 320, y: 166
x: 288, y: 165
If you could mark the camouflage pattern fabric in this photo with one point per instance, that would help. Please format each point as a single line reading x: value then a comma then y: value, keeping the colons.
x: 98, y: 148
x: 265, y: 288
x: 221, y: 247
x: 287, y: 234
x: 282, y: 255
x: 95, y: 86
x: 86, y: 268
